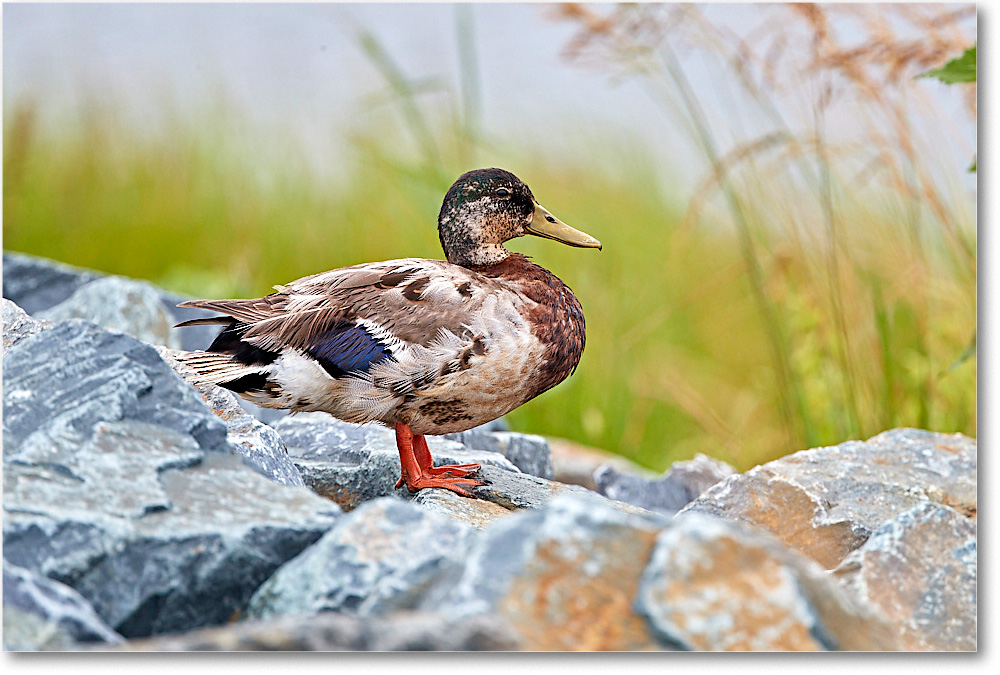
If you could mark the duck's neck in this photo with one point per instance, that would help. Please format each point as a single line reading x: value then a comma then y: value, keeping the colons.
x: 478, y: 255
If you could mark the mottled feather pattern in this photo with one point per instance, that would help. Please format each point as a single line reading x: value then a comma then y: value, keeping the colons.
x: 417, y: 330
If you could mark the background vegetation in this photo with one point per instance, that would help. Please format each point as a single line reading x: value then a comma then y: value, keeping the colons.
x: 811, y: 289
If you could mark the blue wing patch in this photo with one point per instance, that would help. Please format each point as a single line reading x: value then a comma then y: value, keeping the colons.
x: 347, y: 348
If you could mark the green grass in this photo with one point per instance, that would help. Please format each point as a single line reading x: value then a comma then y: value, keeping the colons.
x: 678, y: 360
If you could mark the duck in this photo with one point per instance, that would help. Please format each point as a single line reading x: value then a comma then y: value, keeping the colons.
x: 422, y: 346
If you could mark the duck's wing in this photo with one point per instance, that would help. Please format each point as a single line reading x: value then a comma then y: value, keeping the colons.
x: 354, y: 312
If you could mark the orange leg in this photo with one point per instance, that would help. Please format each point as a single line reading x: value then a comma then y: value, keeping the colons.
x: 417, y: 471
x: 426, y: 464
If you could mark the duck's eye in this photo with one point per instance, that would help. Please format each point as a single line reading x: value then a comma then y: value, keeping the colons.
x: 502, y: 193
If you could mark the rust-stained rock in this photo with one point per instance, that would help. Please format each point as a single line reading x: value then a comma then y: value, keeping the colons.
x: 919, y: 570
x: 564, y: 577
x: 826, y: 502
x: 718, y: 586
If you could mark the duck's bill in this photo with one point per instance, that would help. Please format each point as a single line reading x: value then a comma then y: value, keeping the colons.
x: 544, y: 224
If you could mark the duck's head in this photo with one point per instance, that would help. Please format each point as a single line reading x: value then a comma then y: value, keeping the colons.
x: 485, y: 208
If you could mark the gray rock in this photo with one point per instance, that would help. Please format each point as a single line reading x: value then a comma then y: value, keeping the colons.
x: 28, y: 632
x: 478, y: 513
x: 379, y: 558
x: 59, y: 383
x: 528, y: 452
x: 18, y: 325
x: 409, y: 631
x: 522, y: 491
x: 352, y: 464
x: 826, y: 502
x: 684, y: 482
x: 119, y: 304
x: 919, y: 571
x: 56, y: 603
x: 36, y: 284
x: 170, y: 545
x: 564, y: 577
x: 260, y: 445
x: 119, y: 482
x: 717, y: 586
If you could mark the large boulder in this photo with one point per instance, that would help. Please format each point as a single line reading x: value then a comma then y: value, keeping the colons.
x: 120, y: 482
x: 713, y: 585
x: 826, y: 502
x: 379, y: 558
x: 564, y: 577
x: 919, y: 572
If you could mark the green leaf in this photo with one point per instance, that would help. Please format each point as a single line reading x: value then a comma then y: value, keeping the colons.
x: 956, y: 71
x: 972, y: 169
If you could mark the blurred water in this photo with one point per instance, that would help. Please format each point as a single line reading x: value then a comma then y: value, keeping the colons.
x: 300, y: 68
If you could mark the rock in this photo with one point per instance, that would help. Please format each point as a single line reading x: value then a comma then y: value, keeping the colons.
x: 17, y: 325
x: 712, y: 585
x: 826, y: 502
x: 27, y: 632
x: 120, y: 304
x: 527, y: 452
x: 119, y: 482
x: 919, y: 571
x: 53, y: 603
x: 404, y: 631
x: 351, y: 463
x: 59, y: 383
x: 563, y: 577
x: 176, y: 547
x: 379, y: 558
x: 522, y: 491
x: 36, y: 284
x: 684, y: 482
x: 478, y: 513
x: 260, y: 445
x: 575, y: 464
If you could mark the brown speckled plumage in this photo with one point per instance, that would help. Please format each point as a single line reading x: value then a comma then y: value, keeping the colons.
x: 556, y: 319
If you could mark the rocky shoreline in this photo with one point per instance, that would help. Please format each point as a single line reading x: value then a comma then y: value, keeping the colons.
x: 143, y: 513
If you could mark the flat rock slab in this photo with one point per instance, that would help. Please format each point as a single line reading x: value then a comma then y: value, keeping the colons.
x: 713, y: 585
x: 564, y: 577
x: 377, y: 559
x: 826, y: 502
x: 919, y: 571
x: 404, y: 631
